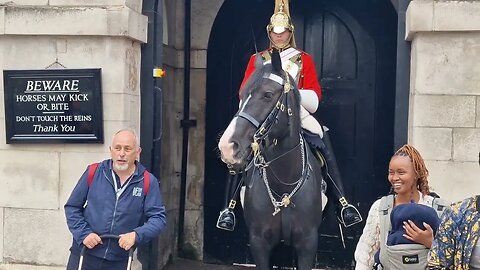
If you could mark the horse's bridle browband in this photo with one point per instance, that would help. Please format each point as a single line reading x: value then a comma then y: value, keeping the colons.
x: 264, y: 128
x: 274, y: 112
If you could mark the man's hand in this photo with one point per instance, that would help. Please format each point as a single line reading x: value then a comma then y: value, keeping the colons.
x: 415, y: 234
x: 127, y: 240
x: 92, y: 240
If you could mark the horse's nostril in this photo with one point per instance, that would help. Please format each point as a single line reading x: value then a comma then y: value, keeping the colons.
x: 234, y: 145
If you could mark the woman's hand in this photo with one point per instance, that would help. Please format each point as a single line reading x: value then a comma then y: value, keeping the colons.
x: 415, y: 234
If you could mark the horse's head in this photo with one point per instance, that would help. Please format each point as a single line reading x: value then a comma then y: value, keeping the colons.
x: 269, y: 112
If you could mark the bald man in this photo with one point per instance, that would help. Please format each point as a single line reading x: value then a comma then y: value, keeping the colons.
x: 117, y: 196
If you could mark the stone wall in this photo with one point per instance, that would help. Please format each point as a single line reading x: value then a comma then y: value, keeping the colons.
x: 445, y: 92
x: 38, y: 178
x: 171, y: 149
x: 202, y: 17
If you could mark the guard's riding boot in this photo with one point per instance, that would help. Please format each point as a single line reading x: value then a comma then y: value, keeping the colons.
x: 226, y: 218
x: 347, y: 214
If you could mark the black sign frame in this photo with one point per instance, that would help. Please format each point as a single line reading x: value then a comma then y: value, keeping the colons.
x: 53, y: 106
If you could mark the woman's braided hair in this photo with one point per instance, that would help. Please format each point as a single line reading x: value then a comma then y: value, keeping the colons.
x: 418, y: 166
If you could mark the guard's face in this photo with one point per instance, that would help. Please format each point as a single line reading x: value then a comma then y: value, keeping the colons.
x: 280, y: 39
x: 401, y: 175
x: 124, y: 151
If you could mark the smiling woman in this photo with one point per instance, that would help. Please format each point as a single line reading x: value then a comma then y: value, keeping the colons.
x: 408, y: 173
x: 408, y: 176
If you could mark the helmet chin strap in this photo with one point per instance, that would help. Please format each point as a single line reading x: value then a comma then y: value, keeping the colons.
x: 281, y: 47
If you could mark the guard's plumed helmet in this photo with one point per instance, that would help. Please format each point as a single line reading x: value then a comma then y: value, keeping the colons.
x: 280, y: 22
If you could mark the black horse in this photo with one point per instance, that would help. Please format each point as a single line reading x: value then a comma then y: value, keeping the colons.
x: 283, y: 200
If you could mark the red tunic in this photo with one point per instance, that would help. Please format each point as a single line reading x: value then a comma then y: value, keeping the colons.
x: 308, y: 75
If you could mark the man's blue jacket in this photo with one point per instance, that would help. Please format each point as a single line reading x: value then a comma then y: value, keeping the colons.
x: 97, y: 209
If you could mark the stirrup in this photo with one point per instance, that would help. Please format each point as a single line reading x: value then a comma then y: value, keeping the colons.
x: 349, y: 215
x: 226, y: 220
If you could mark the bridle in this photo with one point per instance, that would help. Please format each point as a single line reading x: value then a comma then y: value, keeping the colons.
x: 281, y: 105
x: 263, y: 129
x: 257, y: 158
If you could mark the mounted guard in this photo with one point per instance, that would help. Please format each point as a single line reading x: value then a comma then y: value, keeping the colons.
x: 300, y: 66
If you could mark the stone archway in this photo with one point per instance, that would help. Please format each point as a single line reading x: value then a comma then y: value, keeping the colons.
x: 355, y: 59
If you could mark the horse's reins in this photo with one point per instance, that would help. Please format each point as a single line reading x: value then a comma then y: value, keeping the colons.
x: 262, y: 132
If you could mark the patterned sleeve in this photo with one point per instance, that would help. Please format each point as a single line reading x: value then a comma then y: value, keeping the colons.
x: 441, y: 255
x: 369, y: 242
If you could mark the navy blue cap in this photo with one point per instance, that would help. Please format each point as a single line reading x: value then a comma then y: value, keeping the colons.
x: 418, y: 213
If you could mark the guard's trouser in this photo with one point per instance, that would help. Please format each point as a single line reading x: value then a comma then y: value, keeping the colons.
x: 332, y: 173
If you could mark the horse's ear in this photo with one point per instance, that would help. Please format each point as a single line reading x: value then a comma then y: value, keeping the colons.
x: 258, y: 61
x: 276, y: 61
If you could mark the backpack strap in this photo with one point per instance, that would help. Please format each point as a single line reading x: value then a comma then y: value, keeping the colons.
x: 91, y: 172
x: 437, y: 203
x: 385, y: 208
x: 93, y: 167
x: 146, y: 182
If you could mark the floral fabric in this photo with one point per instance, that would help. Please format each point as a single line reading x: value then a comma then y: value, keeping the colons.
x: 456, y: 237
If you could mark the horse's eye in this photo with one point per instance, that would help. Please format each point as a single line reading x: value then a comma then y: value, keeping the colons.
x: 268, y: 95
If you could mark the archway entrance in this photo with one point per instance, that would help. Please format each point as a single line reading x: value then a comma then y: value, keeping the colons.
x: 354, y: 49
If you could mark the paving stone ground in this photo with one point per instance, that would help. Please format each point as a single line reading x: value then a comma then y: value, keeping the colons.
x: 183, y: 264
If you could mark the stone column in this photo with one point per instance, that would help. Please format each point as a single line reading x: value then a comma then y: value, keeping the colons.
x: 37, y: 179
x: 445, y: 92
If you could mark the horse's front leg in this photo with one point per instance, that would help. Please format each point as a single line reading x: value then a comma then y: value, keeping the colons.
x: 261, y: 249
x: 306, y: 249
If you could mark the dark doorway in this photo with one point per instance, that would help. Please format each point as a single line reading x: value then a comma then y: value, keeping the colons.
x: 354, y: 49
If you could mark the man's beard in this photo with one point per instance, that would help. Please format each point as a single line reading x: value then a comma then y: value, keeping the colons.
x: 119, y: 167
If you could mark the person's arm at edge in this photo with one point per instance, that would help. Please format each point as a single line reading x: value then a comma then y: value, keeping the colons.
x: 441, y: 254
x: 369, y: 242
x: 76, y: 222
x: 154, y: 211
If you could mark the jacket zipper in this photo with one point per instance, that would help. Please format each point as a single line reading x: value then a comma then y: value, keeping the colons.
x: 115, y: 210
